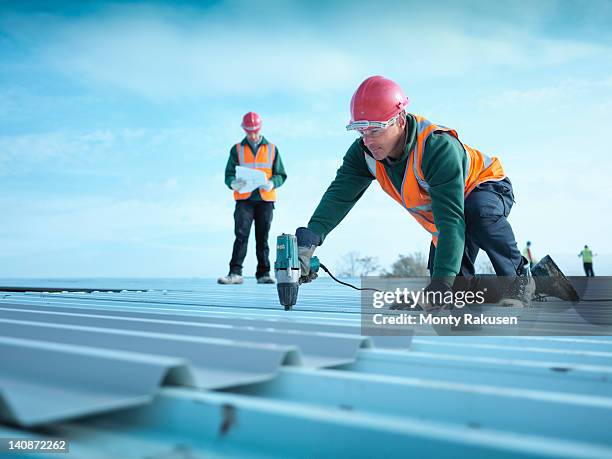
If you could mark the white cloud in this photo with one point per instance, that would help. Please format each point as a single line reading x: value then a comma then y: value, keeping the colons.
x: 555, y: 97
x: 110, y: 151
x: 166, y: 54
x: 160, y: 60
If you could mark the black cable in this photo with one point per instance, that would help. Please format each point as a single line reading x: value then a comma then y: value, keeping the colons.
x: 345, y: 283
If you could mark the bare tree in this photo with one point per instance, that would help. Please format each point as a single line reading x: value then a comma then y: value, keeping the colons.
x: 353, y: 264
x: 411, y: 265
x: 348, y: 264
x: 368, y: 265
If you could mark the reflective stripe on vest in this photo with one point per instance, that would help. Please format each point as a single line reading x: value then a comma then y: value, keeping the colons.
x: 371, y: 162
x: 263, y: 160
x: 256, y: 165
x: 414, y: 195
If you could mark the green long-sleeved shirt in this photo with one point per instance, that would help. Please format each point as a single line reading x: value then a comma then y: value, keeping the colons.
x: 278, y: 169
x: 444, y: 164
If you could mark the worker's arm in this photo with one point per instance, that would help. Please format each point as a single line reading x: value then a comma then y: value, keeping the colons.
x: 230, y: 168
x: 443, y: 167
x: 352, y: 179
x: 278, y: 171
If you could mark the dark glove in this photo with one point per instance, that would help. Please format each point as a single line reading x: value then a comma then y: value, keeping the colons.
x: 307, y: 241
x: 434, y: 295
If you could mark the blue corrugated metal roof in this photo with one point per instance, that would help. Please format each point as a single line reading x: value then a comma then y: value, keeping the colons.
x: 222, y: 371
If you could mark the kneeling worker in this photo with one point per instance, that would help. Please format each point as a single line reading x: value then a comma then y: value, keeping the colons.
x: 461, y: 196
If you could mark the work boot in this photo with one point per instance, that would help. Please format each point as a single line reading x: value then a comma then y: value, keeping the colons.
x: 265, y: 279
x: 231, y: 278
x: 552, y: 282
x: 522, y: 289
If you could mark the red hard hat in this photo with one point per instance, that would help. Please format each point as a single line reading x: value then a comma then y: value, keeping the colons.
x: 377, y: 99
x: 251, y: 122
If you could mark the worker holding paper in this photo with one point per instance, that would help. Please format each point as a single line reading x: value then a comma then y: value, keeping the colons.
x: 254, y: 170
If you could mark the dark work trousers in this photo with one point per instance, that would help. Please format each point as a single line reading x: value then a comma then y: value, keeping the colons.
x: 486, y: 227
x: 247, y: 211
x: 588, y: 269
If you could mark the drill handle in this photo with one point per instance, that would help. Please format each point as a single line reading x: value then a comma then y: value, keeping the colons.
x: 315, y: 264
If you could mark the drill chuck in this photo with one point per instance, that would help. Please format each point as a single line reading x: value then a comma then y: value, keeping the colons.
x: 287, y: 270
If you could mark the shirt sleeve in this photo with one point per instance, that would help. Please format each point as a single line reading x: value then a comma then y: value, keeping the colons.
x: 230, y: 168
x: 352, y: 180
x: 278, y: 171
x: 443, y: 166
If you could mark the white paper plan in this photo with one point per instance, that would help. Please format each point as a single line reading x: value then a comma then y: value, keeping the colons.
x: 254, y: 178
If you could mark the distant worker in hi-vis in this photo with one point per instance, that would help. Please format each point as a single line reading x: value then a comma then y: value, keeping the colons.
x: 587, y: 261
x: 253, y: 152
x: 528, y: 254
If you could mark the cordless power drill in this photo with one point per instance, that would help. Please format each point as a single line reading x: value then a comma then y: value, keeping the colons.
x: 287, y: 270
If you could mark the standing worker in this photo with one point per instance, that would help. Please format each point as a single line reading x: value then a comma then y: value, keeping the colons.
x: 529, y: 255
x: 461, y: 196
x: 255, y: 152
x: 587, y: 261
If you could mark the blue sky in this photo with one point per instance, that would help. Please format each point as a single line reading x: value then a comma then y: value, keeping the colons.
x: 116, y: 119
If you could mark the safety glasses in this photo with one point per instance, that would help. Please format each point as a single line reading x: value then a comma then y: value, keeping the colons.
x: 370, y: 128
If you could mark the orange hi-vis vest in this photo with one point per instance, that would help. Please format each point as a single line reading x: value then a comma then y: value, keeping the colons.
x: 263, y: 161
x: 414, y: 195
